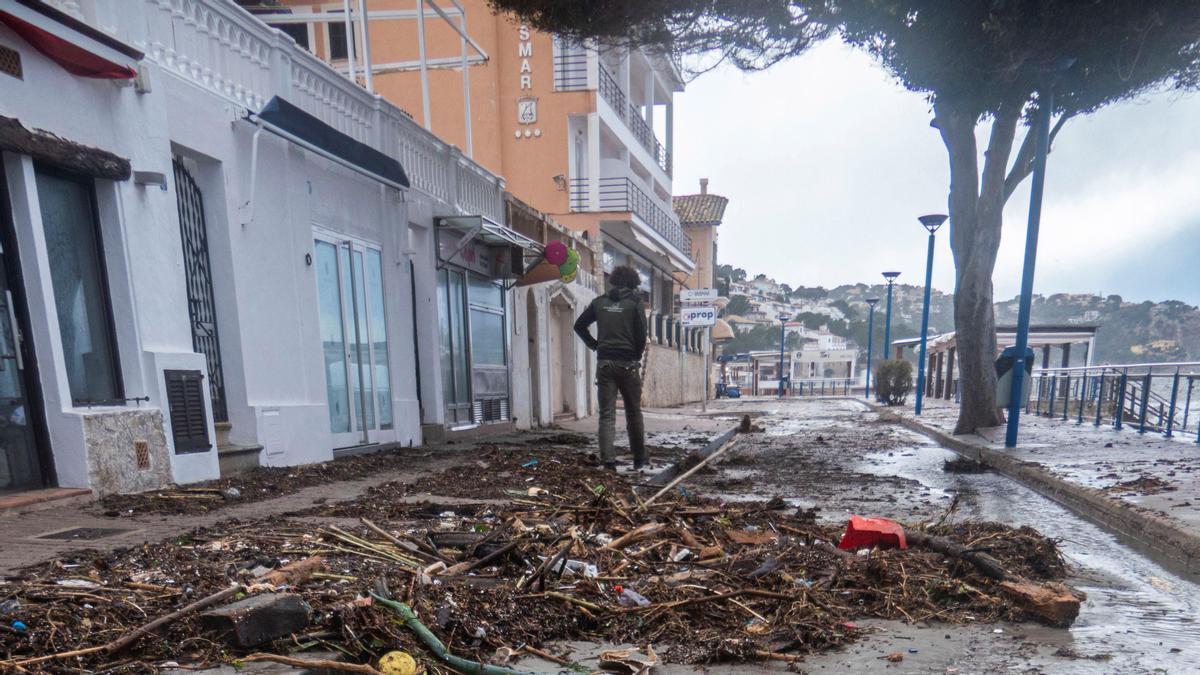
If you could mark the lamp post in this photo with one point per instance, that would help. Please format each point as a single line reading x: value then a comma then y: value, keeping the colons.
x: 931, y: 223
x: 1041, y: 148
x: 870, y: 345
x: 887, y: 320
x: 783, y: 319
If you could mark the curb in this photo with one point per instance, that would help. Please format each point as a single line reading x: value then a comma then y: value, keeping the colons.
x: 1159, y: 537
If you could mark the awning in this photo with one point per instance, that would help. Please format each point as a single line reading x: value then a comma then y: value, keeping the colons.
x: 631, y: 237
x: 77, y: 47
x: 290, y: 122
x: 484, y: 246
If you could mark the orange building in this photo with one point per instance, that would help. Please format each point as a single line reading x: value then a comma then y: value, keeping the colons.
x: 582, y: 133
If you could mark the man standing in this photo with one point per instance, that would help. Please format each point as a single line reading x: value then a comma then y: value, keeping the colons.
x: 620, y: 318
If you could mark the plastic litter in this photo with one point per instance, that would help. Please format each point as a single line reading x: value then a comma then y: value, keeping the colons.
x: 627, y: 597
x: 531, y: 463
x: 870, y: 532
x: 19, y: 626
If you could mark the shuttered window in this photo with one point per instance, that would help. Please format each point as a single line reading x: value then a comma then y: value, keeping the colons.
x: 185, y: 400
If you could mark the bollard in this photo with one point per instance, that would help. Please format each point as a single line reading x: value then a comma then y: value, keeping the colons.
x: 1145, y: 402
x: 1174, y: 398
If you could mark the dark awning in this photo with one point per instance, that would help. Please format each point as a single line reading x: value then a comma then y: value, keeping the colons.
x: 72, y: 44
x: 292, y: 123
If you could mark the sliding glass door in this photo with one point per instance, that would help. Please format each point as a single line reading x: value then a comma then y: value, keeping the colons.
x: 354, y: 339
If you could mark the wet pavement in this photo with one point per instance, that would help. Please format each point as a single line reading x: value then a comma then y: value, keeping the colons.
x: 834, y: 454
x: 1161, y: 474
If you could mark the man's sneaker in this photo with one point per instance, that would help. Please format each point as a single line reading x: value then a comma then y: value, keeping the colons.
x: 611, y: 466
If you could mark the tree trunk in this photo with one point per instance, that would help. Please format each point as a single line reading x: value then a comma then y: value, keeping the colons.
x: 975, y: 219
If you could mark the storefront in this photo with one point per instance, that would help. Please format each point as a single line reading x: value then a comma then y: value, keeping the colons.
x: 476, y: 260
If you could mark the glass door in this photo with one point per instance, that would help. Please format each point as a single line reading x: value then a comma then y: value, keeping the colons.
x: 20, y: 461
x: 354, y: 339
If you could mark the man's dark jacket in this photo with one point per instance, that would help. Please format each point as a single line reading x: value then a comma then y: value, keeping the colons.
x: 620, y: 318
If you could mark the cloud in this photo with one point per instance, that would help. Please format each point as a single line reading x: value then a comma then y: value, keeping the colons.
x: 827, y: 163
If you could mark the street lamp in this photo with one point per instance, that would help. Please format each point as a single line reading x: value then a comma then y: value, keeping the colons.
x: 931, y: 223
x: 870, y: 344
x: 887, y: 321
x: 783, y: 319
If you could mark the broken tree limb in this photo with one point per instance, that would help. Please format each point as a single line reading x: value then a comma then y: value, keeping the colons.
x: 313, y: 664
x: 635, y: 535
x: 207, y: 601
x: 1052, y: 602
x: 464, y: 567
x: 295, y: 572
x: 685, y: 475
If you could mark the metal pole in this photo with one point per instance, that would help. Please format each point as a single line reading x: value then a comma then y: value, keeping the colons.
x: 466, y: 79
x: 1145, y: 401
x: 924, y: 327
x: 366, y: 48
x: 1066, y: 395
x: 349, y: 25
x: 1120, y: 415
x: 887, y: 325
x: 870, y: 346
x: 1187, y: 402
x: 424, y: 65
x: 1046, y: 109
x: 707, y: 369
x: 1100, y: 399
x: 1083, y: 395
x: 1174, y: 398
x: 782, y: 340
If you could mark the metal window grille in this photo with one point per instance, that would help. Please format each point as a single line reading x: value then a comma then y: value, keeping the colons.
x: 198, y: 276
x: 10, y: 62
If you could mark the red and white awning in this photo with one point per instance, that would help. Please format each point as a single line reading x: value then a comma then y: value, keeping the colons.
x: 80, y: 49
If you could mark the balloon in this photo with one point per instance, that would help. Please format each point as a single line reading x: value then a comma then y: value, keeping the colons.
x: 568, y: 278
x: 557, y: 252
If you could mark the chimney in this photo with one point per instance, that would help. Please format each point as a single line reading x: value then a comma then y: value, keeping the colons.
x: 703, y: 186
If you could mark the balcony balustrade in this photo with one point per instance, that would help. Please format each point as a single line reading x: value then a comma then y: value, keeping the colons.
x: 619, y: 193
x: 229, y: 52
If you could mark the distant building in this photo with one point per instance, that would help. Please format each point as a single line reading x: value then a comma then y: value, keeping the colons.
x: 700, y: 215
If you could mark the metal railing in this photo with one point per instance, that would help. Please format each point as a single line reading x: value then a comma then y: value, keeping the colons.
x: 570, y: 66
x: 1149, y: 397
x: 611, y: 92
x: 619, y: 193
x: 823, y: 386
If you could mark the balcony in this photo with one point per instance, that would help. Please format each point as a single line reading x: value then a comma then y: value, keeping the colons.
x: 611, y: 92
x: 622, y: 194
x: 570, y: 66
x: 223, y: 49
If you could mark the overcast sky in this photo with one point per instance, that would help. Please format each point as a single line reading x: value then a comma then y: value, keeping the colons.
x: 827, y: 163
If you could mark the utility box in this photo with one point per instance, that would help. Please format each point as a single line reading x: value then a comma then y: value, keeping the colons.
x: 1004, y: 372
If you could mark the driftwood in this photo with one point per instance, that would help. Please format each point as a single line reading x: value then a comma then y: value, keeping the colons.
x: 1053, y: 602
x: 684, y: 476
x: 313, y: 664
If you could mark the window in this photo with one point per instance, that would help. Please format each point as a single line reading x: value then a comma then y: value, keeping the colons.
x: 80, y: 287
x: 336, y: 30
x: 298, y: 32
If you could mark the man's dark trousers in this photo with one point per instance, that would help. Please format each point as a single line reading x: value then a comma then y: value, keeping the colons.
x: 624, y: 377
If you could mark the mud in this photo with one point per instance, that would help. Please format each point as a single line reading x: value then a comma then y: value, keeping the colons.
x: 1139, y: 617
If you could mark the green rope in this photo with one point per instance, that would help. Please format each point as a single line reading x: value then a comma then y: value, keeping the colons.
x: 435, y: 645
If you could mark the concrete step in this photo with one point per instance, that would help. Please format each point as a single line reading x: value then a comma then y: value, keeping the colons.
x: 235, y: 459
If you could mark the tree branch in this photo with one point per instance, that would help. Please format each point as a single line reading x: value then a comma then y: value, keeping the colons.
x: 1024, y: 164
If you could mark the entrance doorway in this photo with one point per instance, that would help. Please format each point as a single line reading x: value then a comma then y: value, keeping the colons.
x: 24, y: 463
x: 353, y: 339
x: 562, y: 353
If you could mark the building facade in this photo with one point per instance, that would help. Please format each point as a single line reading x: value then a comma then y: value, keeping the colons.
x: 220, y: 250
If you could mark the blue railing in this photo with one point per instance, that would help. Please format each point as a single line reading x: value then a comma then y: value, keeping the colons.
x: 1149, y: 397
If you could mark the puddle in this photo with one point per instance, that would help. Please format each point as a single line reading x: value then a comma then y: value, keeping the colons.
x: 1136, y: 610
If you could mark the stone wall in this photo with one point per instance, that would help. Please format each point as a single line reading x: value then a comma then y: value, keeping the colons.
x: 112, y: 440
x: 672, y: 377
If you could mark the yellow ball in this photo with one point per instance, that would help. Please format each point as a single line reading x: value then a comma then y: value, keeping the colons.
x: 398, y: 663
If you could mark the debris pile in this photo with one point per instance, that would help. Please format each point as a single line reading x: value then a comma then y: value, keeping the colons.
x: 549, y: 550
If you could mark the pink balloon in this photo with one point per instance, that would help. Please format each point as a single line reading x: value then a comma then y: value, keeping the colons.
x: 556, y: 253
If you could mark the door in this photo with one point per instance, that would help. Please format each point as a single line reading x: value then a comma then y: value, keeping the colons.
x: 198, y: 276
x: 354, y: 339
x: 22, y: 462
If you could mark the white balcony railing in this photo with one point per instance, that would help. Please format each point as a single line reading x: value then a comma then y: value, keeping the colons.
x: 224, y: 49
x: 619, y: 193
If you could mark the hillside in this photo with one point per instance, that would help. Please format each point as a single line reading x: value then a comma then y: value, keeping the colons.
x: 1128, y: 332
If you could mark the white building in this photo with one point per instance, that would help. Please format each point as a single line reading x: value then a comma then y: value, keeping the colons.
x: 225, y: 243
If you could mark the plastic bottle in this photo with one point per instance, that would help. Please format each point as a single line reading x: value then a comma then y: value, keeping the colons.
x: 628, y: 597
